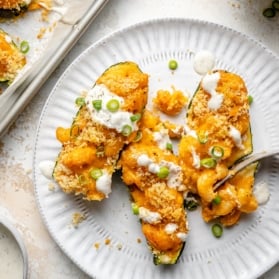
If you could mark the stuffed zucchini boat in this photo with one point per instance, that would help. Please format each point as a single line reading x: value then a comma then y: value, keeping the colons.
x: 11, y: 58
x: 108, y: 119
x: 219, y: 135
x: 11, y: 8
x: 155, y: 181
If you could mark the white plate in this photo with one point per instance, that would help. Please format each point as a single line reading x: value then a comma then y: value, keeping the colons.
x: 244, y: 251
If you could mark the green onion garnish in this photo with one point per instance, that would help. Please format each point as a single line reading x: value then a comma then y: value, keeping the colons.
x: 191, y: 205
x: 135, y: 117
x: 208, y: 163
x: 275, y: 5
x: 163, y: 172
x: 80, y: 101
x: 113, y: 105
x: 269, y: 12
x: 24, y: 47
x: 216, y: 200
x: 250, y: 99
x: 96, y: 173
x: 217, y: 230
x: 135, y: 208
x: 169, y: 146
x: 173, y: 64
x: 97, y: 104
x: 126, y: 130
x: 217, y: 152
x: 202, y: 138
x: 138, y: 136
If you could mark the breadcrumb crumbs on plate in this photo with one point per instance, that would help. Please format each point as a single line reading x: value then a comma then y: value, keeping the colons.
x: 107, y: 241
x: 119, y: 246
x: 97, y: 245
x: 77, y: 218
x: 51, y: 187
x: 139, y: 240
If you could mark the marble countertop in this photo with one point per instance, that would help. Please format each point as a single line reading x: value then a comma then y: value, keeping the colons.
x: 16, y: 147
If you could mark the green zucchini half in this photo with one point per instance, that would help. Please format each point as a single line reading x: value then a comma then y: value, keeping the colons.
x: 11, y: 58
x: 9, y: 10
x: 91, y: 149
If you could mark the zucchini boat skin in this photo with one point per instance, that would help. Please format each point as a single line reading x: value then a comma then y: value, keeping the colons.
x: 225, y: 127
x: 90, y: 150
x: 12, y: 8
x: 158, y: 198
x: 11, y: 59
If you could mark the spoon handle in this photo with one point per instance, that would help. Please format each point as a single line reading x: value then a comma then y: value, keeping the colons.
x: 241, y: 165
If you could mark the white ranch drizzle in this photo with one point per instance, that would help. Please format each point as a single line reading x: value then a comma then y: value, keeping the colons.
x: 113, y: 120
x: 196, y: 159
x: 174, y: 179
x: 46, y: 167
x: 261, y: 192
x: 149, y: 216
x: 8, y: 39
x: 171, y: 228
x: 162, y: 138
x: 204, y: 62
x: 182, y: 236
x: 209, y: 84
x: 103, y: 183
x: 236, y: 136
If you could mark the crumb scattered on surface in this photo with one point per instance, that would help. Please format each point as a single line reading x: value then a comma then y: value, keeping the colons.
x: 138, y: 240
x: 77, y: 218
x: 97, y: 245
x: 119, y: 246
x: 51, y: 187
x: 107, y: 241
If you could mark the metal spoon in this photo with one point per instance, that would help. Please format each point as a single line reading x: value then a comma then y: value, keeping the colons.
x: 240, y: 166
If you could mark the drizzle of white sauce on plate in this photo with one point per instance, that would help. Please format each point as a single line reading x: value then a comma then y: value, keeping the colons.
x: 204, y: 62
x: 46, y: 167
x: 261, y: 192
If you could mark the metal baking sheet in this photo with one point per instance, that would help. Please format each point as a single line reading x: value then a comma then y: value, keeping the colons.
x: 67, y: 21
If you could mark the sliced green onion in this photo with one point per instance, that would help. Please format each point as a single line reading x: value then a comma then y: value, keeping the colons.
x: 96, y: 173
x: 202, y: 138
x: 97, y: 104
x: 208, y: 163
x: 163, y: 172
x: 24, y: 47
x: 113, y: 105
x: 173, y: 64
x: 135, y: 117
x: 269, y: 12
x: 217, y: 200
x: 126, y: 130
x: 191, y: 204
x: 217, y: 230
x: 275, y: 5
x: 138, y: 136
x: 250, y: 99
x: 217, y: 152
x: 135, y: 208
x: 169, y: 146
x: 80, y: 101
